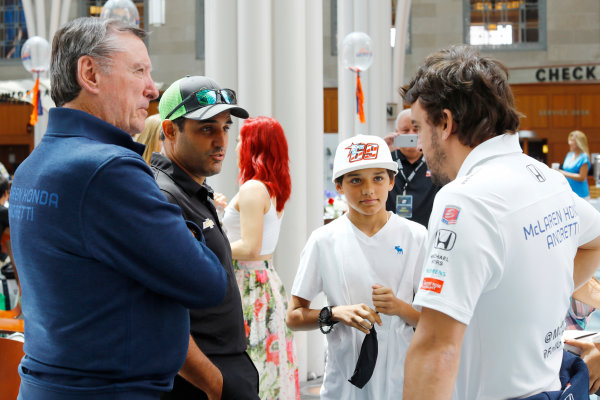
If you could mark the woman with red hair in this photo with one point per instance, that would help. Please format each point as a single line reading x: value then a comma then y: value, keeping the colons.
x: 253, y: 220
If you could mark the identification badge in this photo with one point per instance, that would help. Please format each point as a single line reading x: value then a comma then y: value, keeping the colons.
x: 404, y: 205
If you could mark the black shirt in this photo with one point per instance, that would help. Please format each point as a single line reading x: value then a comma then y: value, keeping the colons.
x: 217, y: 330
x: 420, y: 187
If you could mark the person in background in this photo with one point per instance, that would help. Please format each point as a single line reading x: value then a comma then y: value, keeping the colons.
x: 368, y: 264
x: 494, y: 290
x: 150, y: 137
x: 108, y: 268
x: 575, y: 168
x: 197, y: 115
x: 4, y: 171
x: 577, y: 164
x: 413, y: 193
x: 253, y: 220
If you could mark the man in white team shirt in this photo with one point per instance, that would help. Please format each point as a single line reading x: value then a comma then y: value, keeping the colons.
x: 503, y: 234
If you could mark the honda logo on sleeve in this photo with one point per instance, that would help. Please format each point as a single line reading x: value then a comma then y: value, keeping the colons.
x: 444, y: 239
x: 536, y: 173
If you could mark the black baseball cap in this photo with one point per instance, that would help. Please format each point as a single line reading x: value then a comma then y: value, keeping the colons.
x: 199, y: 98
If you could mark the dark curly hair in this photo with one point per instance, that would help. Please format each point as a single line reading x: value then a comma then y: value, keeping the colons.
x: 474, y: 88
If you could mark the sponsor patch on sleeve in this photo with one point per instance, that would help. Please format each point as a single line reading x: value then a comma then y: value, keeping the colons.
x: 450, y: 215
x: 444, y: 239
x: 432, y: 284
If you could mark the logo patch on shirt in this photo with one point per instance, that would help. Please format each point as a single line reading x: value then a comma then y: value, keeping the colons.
x: 536, y: 173
x: 362, y: 151
x: 399, y: 250
x: 444, y: 240
x: 435, y: 271
x: 208, y: 224
x: 450, y: 215
x: 428, y: 174
x: 432, y: 284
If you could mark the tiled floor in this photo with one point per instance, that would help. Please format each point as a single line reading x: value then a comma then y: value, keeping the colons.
x: 309, y: 390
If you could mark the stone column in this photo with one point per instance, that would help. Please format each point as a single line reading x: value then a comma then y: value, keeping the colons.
x: 221, y: 55
x: 346, y: 78
x: 402, y: 17
x: 275, y: 62
x: 379, y: 75
x: 298, y: 105
x: 255, y: 59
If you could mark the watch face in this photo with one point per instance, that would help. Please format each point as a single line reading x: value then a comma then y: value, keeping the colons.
x: 325, y: 314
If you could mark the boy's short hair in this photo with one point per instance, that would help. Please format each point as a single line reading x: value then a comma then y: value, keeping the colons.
x: 362, y: 152
x: 340, y: 178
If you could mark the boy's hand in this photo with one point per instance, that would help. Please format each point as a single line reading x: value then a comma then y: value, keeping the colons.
x: 359, y: 316
x: 384, y: 300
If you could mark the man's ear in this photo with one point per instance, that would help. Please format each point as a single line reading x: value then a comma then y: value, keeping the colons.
x: 448, y: 124
x: 87, y: 74
x: 168, y: 129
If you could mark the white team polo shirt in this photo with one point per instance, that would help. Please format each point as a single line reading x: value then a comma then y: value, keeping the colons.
x: 502, y: 238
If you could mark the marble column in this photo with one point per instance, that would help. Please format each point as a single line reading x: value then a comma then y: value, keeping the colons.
x: 274, y: 58
x: 221, y: 64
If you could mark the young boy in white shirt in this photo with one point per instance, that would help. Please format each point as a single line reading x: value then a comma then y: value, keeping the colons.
x: 368, y: 264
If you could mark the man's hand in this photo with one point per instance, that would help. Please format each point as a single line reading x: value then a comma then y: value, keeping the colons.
x: 389, y: 140
x: 201, y: 372
x: 590, y: 353
x: 359, y: 316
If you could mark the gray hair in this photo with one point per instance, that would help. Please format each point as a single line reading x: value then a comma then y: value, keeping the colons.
x: 400, y: 114
x: 88, y: 36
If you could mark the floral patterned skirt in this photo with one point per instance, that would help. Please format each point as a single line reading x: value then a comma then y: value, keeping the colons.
x: 270, y: 342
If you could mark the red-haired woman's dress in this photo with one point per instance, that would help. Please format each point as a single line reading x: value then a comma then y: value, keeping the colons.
x: 264, y: 302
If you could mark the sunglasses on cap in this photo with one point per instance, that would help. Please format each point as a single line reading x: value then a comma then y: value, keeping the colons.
x: 205, y: 97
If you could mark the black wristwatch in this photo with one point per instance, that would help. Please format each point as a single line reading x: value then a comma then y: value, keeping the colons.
x: 325, y: 320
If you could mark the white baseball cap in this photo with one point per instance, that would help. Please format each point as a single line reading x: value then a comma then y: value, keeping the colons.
x: 361, y: 152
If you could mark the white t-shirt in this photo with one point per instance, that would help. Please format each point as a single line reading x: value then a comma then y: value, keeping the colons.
x: 343, y: 263
x: 502, y: 239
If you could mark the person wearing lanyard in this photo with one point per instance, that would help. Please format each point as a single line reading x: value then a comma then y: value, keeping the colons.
x: 413, y: 192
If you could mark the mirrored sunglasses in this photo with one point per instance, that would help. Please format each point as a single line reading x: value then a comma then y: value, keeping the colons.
x: 205, y: 97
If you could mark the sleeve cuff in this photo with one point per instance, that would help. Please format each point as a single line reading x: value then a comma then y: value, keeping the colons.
x: 455, y: 312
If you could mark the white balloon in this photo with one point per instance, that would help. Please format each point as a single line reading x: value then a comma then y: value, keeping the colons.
x: 356, y: 51
x: 35, y: 54
x: 124, y: 10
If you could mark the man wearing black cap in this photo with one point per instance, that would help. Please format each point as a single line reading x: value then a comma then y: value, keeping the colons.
x: 196, y: 117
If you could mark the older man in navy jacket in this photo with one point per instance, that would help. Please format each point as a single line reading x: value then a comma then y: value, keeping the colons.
x: 108, y: 267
